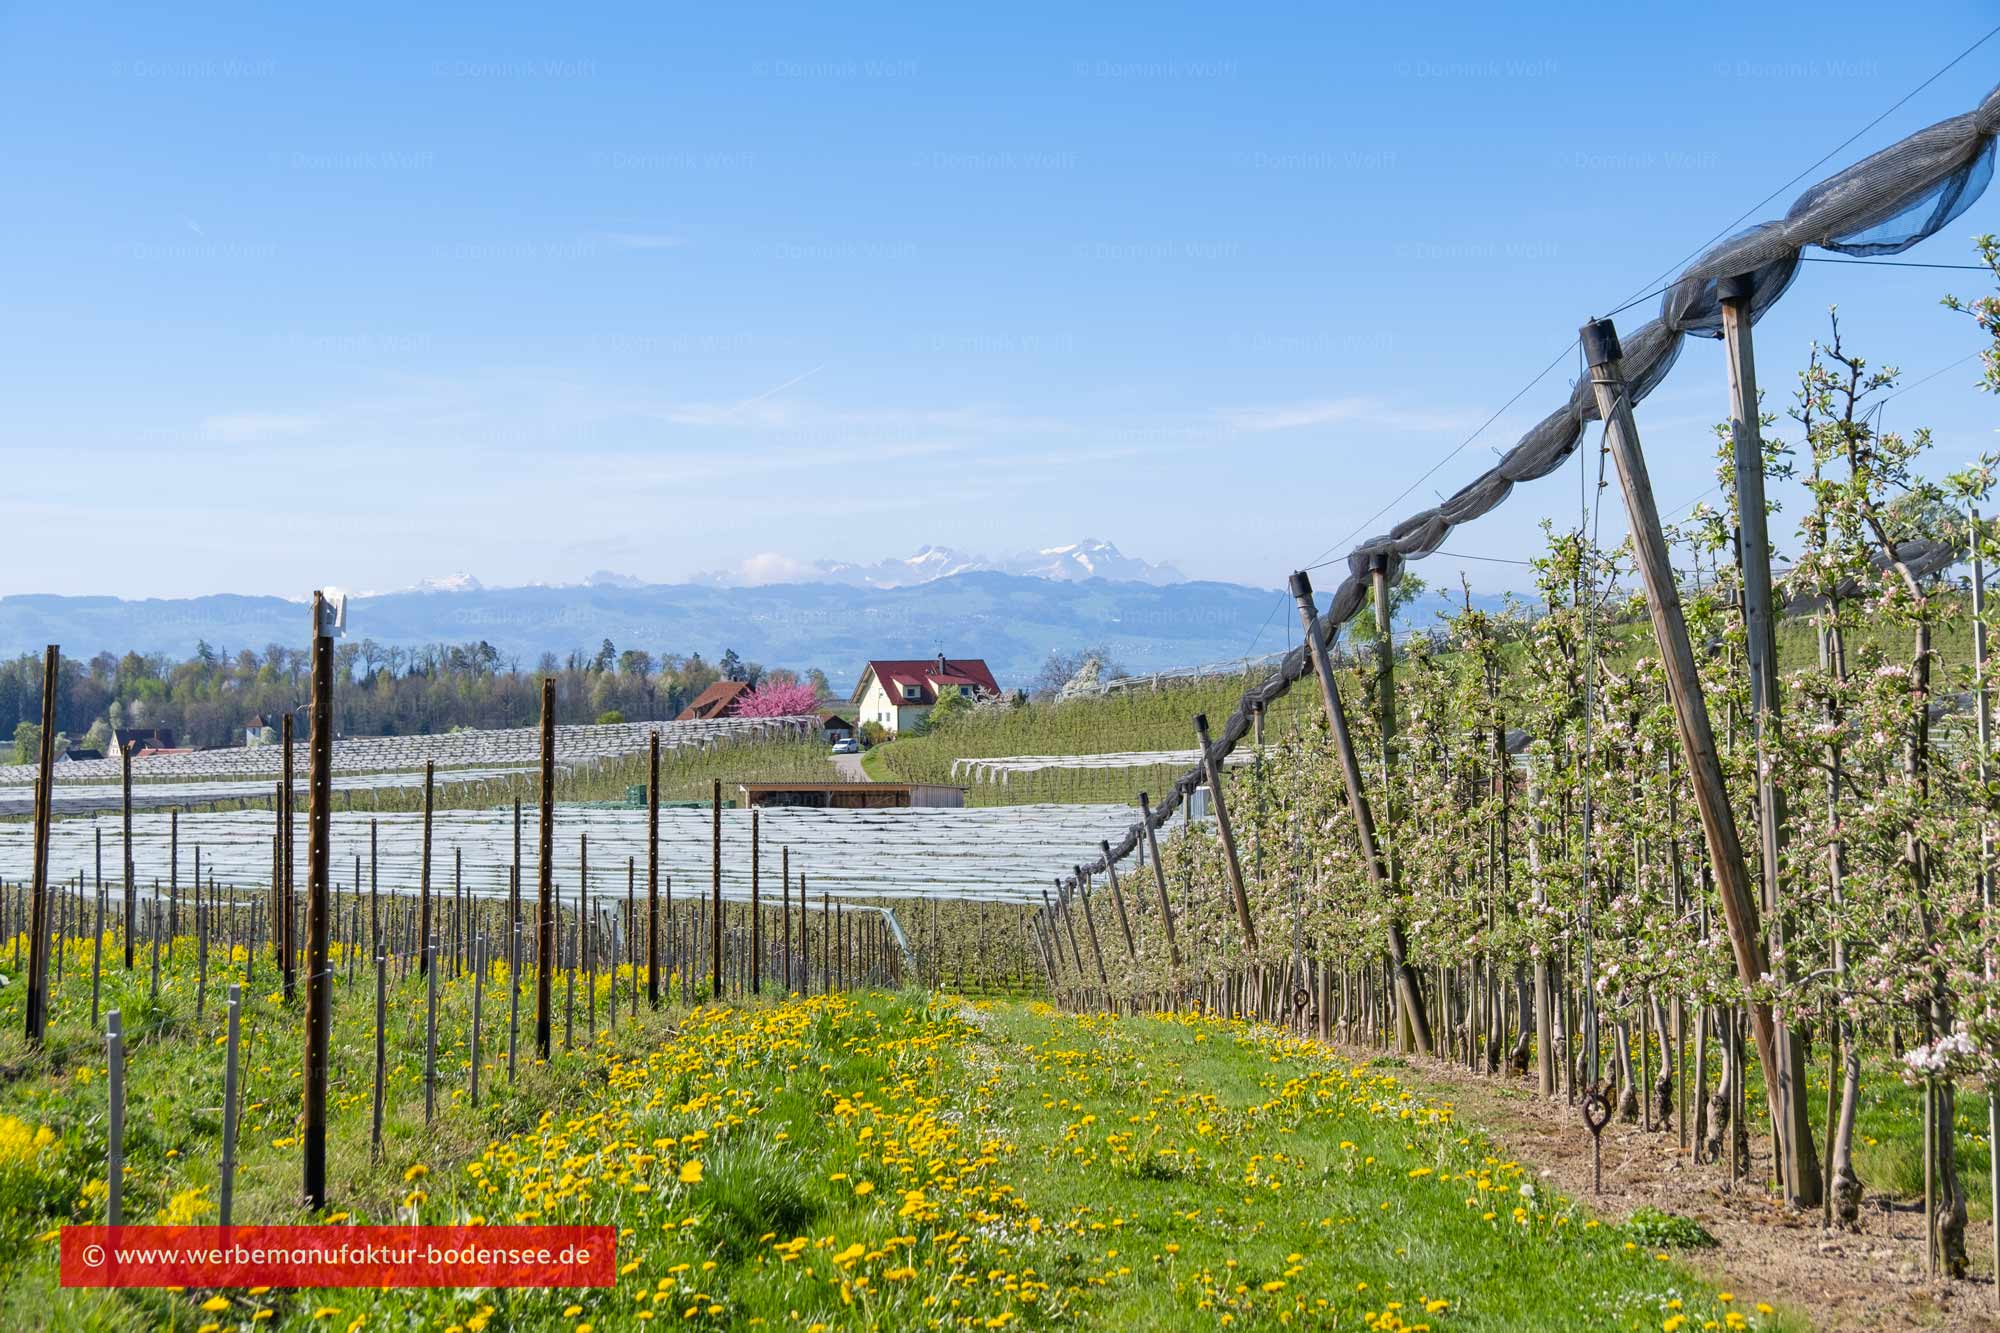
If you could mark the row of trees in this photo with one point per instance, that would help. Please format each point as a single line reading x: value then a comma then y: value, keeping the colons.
x: 1547, y: 882
x: 210, y: 698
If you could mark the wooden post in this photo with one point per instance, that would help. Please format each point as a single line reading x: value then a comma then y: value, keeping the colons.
x: 1117, y: 898
x: 375, y: 888
x: 1380, y: 871
x: 174, y: 878
x: 1159, y: 879
x: 513, y: 992
x: 38, y: 899
x: 97, y: 945
x: 1798, y: 1161
x: 226, y: 1195
x: 653, y: 872
x: 478, y: 1004
x: 319, y: 982
x: 114, y: 1199
x: 1725, y: 849
x: 424, y: 865
x: 1090, y: 924
x: 131, y: 865
x: 430, y: 1031
x: 286, y: 881
x: 756, y: 932
x: 1984, y: 718
x: 545, y: 924
x: 785, y: 913
x: 805, y: 939
x: 461, y: 936
x: 381, y: 1050
x: 1069, y: 927
x: 1213, y: 768
x: 715, y: 888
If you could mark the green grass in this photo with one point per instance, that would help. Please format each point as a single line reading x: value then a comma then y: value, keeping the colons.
x: 1136, y: 720
x: 923, y: 1163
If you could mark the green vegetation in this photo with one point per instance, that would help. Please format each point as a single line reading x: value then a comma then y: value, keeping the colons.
x: 211, y: 698
x: 1136, y: 719
x: 881, y: 1161
x: 1655, y: 1229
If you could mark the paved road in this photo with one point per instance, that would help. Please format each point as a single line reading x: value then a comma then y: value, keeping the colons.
x: 850, y: 768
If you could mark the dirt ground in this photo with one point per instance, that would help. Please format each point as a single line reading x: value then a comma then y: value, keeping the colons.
x: 1872, y: 1279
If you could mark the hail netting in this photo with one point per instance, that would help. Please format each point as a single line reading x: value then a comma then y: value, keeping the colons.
x: 1882, y: 205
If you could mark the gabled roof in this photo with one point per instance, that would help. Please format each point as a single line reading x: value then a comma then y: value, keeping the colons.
x: 146, y: 738
x: 718, y: 700
x: 926, y: 673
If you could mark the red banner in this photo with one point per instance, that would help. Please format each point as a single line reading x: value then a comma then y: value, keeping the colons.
x: 339, y: 1256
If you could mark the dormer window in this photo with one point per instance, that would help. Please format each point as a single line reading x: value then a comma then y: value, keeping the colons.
x: 913, y: 692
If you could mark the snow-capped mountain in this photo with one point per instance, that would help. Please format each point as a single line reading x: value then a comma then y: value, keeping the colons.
x: 1072, y: 563
x: 1091, y: 559
x: 930, y: 562
x: 459, y: 582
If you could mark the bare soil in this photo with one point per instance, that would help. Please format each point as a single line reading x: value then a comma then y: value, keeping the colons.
x: 1870, y: 1279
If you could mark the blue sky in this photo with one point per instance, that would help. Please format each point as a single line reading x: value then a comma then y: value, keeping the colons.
x: 365, y: 296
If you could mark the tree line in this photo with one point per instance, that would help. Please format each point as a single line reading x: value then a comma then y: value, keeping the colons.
x: 214, y: 697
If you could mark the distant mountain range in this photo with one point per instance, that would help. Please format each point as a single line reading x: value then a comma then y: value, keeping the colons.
x: 1014, y: 621
x: 1074, y: 563
x: 828, y: 614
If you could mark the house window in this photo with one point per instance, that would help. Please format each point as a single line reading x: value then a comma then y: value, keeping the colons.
x: 913, y: 692
x: 965, y: 691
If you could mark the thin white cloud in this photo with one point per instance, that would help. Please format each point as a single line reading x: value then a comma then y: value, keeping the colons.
x: 251, y: 427
x: 771, y: 567
x: 1354, y: 411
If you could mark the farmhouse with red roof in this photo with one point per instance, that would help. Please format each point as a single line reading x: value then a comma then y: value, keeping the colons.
x: 900, y: 694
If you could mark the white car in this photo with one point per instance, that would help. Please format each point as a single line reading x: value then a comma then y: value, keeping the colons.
x: 847, y: 745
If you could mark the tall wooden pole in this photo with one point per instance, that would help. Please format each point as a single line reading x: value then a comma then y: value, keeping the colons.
x: 424, y: 865
x: 319, y: 980
x: 125, y: 852
x: 756, y: 936
x: 653, y: 871
x: 1159, y: 879
x: 1117, y: 898
x: 1984, y: 717
x: 38, y: 899
x: 1798, y: 1161
x: 1213, y: 767
x: 1408, y: 991
x: 1090, y: 925
x: 715, y: 888
x: 286, y: 880
x: 1718, y: 820
x: 545, y: 923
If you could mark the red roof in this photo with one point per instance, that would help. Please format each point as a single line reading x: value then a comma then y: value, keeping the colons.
x: 718, y: 700
x: 922, y: 672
